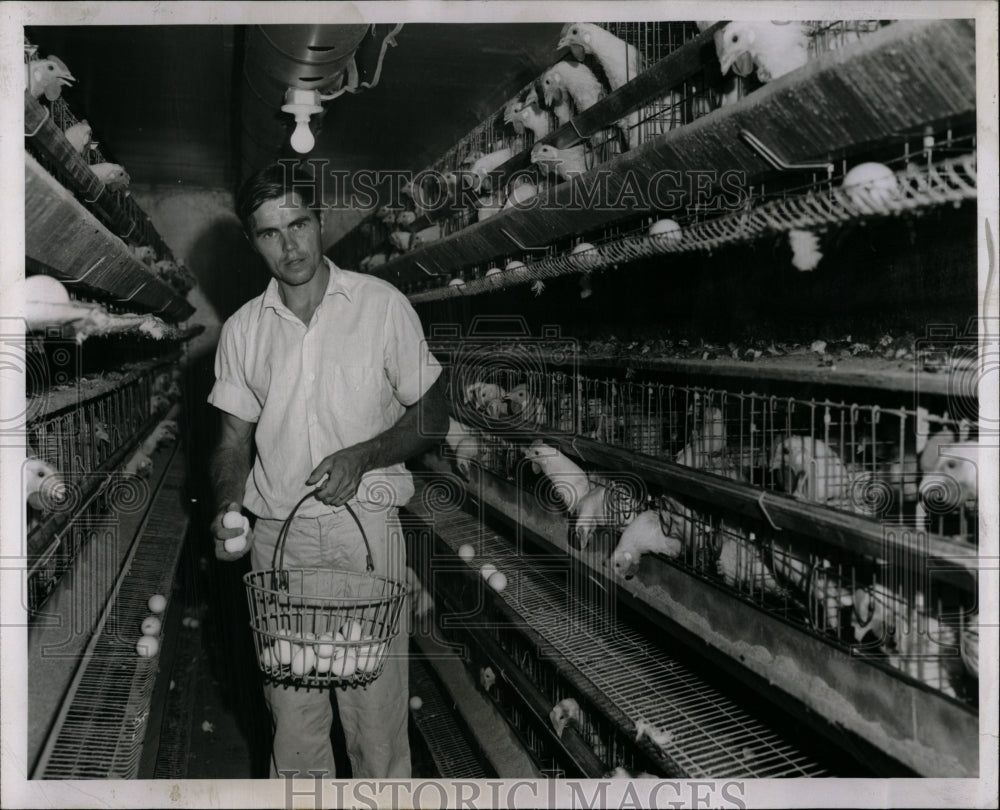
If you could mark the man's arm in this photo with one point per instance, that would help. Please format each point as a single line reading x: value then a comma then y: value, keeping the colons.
x: 420, y: 428
x: 229, y: 467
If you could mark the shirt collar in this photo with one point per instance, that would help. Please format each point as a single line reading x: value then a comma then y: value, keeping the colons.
x: 338, y: 283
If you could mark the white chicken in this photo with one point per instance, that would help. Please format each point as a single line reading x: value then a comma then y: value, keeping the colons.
x: 558, y: 102
x: 520, y: 192
x: 528, y: 114
x: 401, y: 240
x: 485, y: 164
x: 562, y: 713
x: 144, y: 254
x: 953, y: 480
x: 111, y: 174
x: 163, y: 433
x: 44, y: 487
x: 463, y: 444
x: 570, y: 482
x: 47, y: 76
x: 575, y: 79
x: 525, y: 405
x: 776, y: 47
x: 645, y: 534
x: 620, y: 60
x: 78, y: 136
x: 139, y: 464
x: 567, y: 163
x: 480, y: 394
x: 814, y: 469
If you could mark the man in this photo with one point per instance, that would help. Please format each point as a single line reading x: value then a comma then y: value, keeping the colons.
x: 328, y: 375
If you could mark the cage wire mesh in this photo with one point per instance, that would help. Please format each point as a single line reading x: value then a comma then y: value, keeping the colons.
x: 876, y: 608
x: 913, y: 189
x: 637, y: 46
x: 79, y: 441
x: 878, y: 462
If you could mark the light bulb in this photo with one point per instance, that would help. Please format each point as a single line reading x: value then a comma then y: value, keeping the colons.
x: 302, y: 139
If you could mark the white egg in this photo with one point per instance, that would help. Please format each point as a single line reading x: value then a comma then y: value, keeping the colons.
x: 369, y: 655
x: 147, y: 646
x: 283, y: 651
x: 232, y: 520
x: 416, y: 703
x: 493, y: 271
x: 666, y: 228
x: 303, y: 661
x: 344, y: 665
x: 234, y: 545
x: 323, y: 665
x: 488, y: 570
x: 157, y: 603
x: 585, y: 255
x: 498, y: 581
x: 870, y: 182
x: 327, y: 650
x: 351, y: 630
x: 151, y: 626
x: 267, y: 660
x: 466, y: 552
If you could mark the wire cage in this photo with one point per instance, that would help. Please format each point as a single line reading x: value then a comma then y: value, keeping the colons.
x: 78, y: 438
x: 630, y: 49
x: 923, y: 181
x: 878, y: 609
x: 899, y: 465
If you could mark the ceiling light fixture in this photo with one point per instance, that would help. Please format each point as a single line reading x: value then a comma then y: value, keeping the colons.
x: 303, y: 104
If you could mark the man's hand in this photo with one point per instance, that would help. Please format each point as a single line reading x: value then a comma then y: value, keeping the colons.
x: 345, y: 468
x: 221, y: 534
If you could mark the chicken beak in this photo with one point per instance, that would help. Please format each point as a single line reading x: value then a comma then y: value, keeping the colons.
x: 743, y: 65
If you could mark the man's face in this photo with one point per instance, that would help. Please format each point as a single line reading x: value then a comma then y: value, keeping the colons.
x: 289, y: 238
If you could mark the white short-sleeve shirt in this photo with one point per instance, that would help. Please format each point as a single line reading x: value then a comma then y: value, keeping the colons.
x: 315, y: 389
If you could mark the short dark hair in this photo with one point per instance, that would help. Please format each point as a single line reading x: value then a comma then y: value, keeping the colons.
x: 274, y: 182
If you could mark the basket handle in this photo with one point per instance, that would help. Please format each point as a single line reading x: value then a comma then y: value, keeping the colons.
x: 278, y: 558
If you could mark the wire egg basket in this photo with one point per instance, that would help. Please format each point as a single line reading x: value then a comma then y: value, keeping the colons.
x: 319, y: 627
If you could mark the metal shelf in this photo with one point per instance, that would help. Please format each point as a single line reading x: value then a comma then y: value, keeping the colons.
x: 898, y: 80
x: 874, y: 373
x: 66, y: 239
x: 934, y: 735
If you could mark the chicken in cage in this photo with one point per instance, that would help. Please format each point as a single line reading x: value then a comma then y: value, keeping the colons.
x: 727, y: 529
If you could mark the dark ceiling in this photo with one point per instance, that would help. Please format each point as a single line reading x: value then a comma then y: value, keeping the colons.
x: 164, y: 100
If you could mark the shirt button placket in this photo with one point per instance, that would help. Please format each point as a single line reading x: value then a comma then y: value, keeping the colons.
x: 310, y: 379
